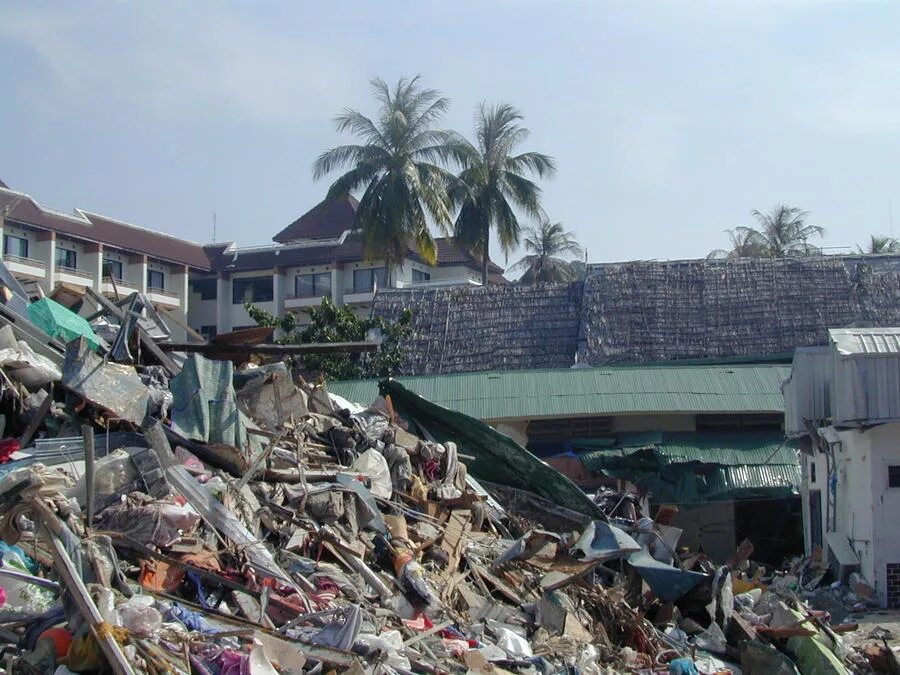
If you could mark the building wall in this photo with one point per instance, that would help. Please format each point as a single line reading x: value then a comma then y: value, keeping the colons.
x: 884, y: 442
x: 710, y: 528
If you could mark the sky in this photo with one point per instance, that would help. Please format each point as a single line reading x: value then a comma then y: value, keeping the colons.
x: 670, y: 121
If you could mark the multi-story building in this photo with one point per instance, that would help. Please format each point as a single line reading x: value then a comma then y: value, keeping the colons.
x: 316, y: 256
x: 206, y: 286
x: 65, y: 253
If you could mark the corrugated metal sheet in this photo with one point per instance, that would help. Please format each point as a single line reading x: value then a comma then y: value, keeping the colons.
x: 674, y: 448
x: 866, y: 389
x: 808, y: 391
x: 594, y: 391
x: 699, y: 467
x: 866, y: 340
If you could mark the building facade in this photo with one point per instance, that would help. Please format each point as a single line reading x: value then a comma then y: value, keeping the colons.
x: 60, y: 255
x: 206, y: 287
x: 843, y: 402
x: 317, y: 256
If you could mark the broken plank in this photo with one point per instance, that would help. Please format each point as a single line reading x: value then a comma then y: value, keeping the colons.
x: 213, y: 350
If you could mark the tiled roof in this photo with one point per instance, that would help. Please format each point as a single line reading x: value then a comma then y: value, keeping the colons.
x: 22, y: 208
x: 326, y: 219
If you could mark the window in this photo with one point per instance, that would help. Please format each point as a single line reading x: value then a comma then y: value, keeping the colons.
x: 156, y: 279
x: 15, y: 246
x: 112, y: 268
x: 312, y: 285
x: 66, y: 258
x: 812, y: 470
x: 420, y: 276
x: 894, y: 476
x: 365, y: 281
x: 206, y: 288
x: 208, y: 331
x: 252, y: 289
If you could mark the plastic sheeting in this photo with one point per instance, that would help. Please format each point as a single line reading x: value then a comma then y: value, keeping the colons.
x: 61, y: 323
x: 498, y: 458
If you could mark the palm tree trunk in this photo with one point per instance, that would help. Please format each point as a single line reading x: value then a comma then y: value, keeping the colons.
x: 485, y: 255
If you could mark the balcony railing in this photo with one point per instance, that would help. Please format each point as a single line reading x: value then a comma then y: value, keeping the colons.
x: 120, y: 283
x: 25, y: 261
x: 74, y: 272
x: 163, y: 291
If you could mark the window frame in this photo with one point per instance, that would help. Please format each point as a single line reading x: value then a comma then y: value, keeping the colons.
x: 21, y: 240
x: 374, y: 274
x: 246, y: 282
x: 66, y: 253
x: 152, y: 286
x: 893, y: 480
x: 110, y: 264
x: 316, y: 292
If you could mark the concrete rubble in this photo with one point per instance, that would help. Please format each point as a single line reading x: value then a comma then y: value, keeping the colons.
x: 171, y: 513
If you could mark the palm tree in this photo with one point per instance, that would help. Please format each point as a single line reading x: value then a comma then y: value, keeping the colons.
x: 782, y: 232
x: 545, y: 244
x: 494, y: 180
x: 880, y: 245
x: 398, y: 165
x: 744, y: 244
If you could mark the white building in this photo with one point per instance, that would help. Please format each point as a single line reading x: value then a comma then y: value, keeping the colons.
x: 843, y: 400
x: 206, y: 286
x: 316, y: 256
x: 62, y: 254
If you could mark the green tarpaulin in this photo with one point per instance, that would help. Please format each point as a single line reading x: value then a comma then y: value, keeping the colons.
x: 61, y: 323
x: 699, y: 467
x: 498, y: 459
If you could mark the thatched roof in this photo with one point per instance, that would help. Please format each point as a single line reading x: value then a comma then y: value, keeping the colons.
x: 462, y: 329
x: 643, y: 312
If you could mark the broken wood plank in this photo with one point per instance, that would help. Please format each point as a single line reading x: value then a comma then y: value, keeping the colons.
x: 214, y: 350
x: 71, y: 577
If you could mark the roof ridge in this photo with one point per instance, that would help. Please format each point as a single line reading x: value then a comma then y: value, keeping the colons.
x: 87, y: 214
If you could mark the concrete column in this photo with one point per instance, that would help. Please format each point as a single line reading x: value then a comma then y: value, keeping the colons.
x: 93, y: 264
x: 223, y: 303
x: 2, y: 224
x: 180, y: 284
x: 143, y: 272
x: 45, y: 250
x: 337, y: 286
x: 279, y: 290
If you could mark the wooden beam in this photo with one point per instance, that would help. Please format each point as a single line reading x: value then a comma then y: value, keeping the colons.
x: 213, y: 349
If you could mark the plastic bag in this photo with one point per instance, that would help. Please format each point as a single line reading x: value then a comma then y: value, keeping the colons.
x: 139, y: 616
x: 373, y: 464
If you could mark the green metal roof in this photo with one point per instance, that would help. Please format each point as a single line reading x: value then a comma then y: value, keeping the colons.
x: 703, y: 467
x: 531, y: 394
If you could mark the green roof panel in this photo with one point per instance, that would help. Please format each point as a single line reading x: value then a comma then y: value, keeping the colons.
x: 594, y: 391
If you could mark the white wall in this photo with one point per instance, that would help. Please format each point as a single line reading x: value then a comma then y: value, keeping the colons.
x: 711, y: 527
x: 854, y: 497
x: 884, y: 442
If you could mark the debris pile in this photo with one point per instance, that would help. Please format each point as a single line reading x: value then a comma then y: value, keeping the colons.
x: 162, y: 512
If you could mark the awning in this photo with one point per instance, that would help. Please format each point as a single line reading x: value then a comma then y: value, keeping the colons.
x: 701, y: 467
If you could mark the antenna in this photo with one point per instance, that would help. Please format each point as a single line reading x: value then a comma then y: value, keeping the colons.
x: 891, y: 215
x: 214, y: 227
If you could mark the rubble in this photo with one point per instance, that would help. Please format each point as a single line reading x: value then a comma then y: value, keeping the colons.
x: 161, y: 512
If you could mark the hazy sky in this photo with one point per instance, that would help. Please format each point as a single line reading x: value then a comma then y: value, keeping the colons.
x: 670, y: 121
